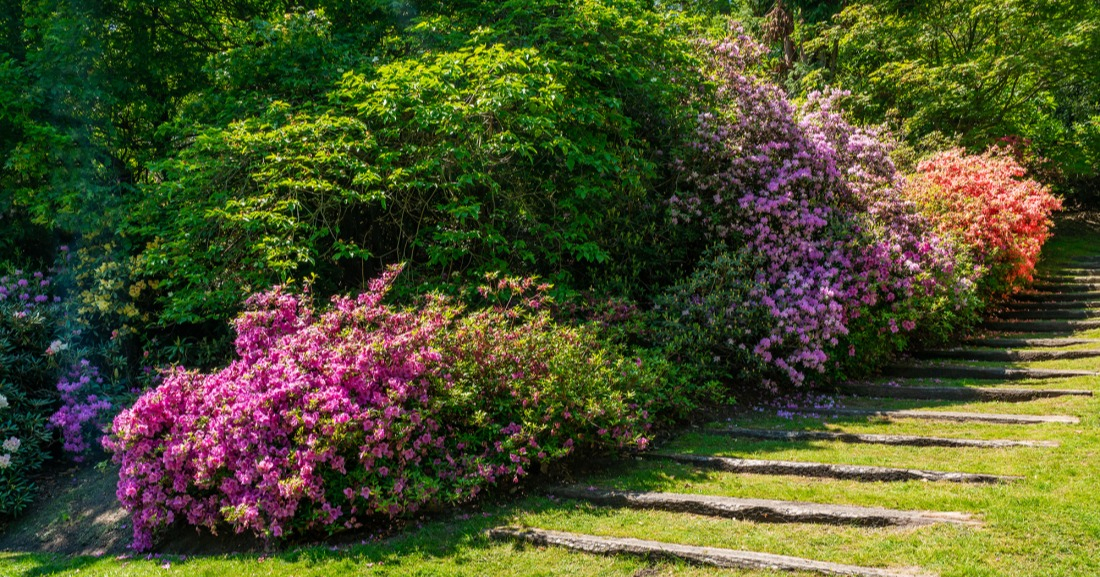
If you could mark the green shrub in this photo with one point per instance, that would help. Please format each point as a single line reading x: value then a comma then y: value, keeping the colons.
x: 707, y: 325
x: 526, y: 138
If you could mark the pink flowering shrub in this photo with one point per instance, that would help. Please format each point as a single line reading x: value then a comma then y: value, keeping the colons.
x: 989, y: 204
x: 329, y: 420
x: 815, y: 204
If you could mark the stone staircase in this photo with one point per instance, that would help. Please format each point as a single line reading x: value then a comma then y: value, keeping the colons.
x: 1040, y: 327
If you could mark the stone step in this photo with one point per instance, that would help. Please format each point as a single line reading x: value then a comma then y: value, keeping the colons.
x: 1062, y: 314
x: 762, y: 510
x: 870, y: 439
x: 1071, y: 270
x: 1020, y: 343
x: 1078, y: 297
x: 827, y: 470
x: 1083, y: 277
x: 1064, y: 287
x: 1041, y: 326
x: 1006, y: 355
x: 708, y: 556
x: 965, y: 372
x: 1053, y: 306
x: 1048, y: 272
x: 955, y: 416
x: 960, y: 393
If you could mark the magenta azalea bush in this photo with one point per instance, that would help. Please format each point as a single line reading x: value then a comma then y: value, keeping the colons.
x: 815, y: 204
x: 329, y: 419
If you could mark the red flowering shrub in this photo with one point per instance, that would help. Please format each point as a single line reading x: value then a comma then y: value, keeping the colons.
x: 327, y: 420
x: 986, y: 201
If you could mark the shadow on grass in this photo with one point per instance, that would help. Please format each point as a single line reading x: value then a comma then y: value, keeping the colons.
x: 449, y: 539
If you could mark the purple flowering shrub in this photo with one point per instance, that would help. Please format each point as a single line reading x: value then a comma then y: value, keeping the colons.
x: 366, y: 411
x: 84, y: 409
x: 843, y: 262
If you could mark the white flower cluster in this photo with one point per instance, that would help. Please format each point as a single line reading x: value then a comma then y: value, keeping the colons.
x: 56, y: 347
x: 11, y: 445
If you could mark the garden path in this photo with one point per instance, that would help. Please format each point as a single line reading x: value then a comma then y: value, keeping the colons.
x: 978, y: 428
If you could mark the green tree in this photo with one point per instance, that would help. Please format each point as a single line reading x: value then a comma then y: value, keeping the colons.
x: 976, y: 69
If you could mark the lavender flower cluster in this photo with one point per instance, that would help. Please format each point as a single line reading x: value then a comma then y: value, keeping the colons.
x: 819, y: 203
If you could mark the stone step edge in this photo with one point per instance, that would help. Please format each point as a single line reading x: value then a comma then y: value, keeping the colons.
x: 862, y: 473
x: 963, y: 371
x: 875, y: 439
x: 955, y: 416
x: 977, y: 354
x: 763, y: 510
x: 709, y: 556
x: 1040, y: 326
x: 1067, y: 287
x: 1047, y: 315
x: 1056, y: 296
x: 960, y: 393
x: 1090, y: 306
x: 1039, y: 342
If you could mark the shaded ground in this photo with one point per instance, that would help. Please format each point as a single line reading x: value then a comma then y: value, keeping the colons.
x: 76, y: 513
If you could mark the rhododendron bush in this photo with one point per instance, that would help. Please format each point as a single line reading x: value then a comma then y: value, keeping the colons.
x: 817, y: 204
x: 37, y: 397
x: 987, y: 201
x: 28, y: 348
x: 331, y: 419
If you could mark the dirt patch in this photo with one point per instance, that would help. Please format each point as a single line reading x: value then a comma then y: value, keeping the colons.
x: 76, y: 513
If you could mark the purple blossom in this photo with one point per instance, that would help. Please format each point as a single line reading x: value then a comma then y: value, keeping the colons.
x: 819, y: 203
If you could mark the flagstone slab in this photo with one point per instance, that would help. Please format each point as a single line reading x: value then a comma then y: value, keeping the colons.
x: 960, y: 393
x: 1059, y: 314
x: 709, y: 556
x: 957, y: 416
x: 762, y: 510
x: 864, y: 473
x: 966, y: 372
x: 1041, y: 326
x: 873, y: 439
x: 1008, y: 342
x: 1006, y: 355
x: 1057, y: 296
